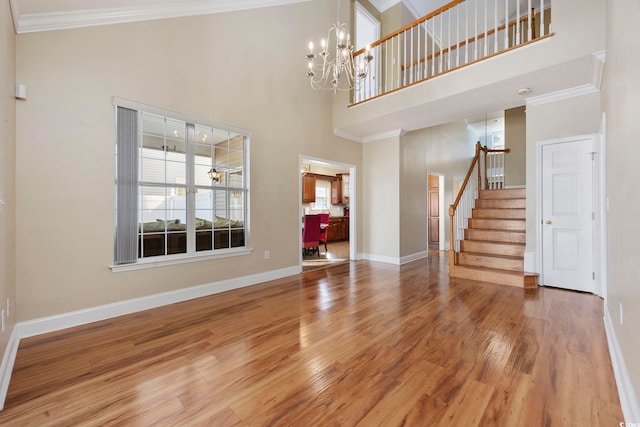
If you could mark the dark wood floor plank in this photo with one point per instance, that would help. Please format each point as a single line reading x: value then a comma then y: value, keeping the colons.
x: 356, y: 344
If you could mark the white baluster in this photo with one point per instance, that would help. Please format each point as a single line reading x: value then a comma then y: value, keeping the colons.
x: 495, y: 26
x: 506, y: 24
x: 457, y: 35
x: 411, y: 79
x: 529, y: 22
x: 518, y: 40
x: 475, y: 34
x: 542, y: 32
x: 433, y: 49
x: 466, y: 32
x: 486, y: 37
x: 398, y: 62
x: 441, y: 41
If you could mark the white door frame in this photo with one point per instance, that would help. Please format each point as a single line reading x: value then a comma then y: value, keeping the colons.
x: 599, y: 247
x: 441, y: 209
x: 353, y: 197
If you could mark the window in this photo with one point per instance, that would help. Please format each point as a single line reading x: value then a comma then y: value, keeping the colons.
x: 181, y: 186
x: 321, y: 199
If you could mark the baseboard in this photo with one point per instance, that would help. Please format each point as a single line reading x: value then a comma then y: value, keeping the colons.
x: 381, y: 258
x: 530, y: 262
x: 6, y: 368
x: 414, y: 257
x: 628, y: 399
x: 81, y: 317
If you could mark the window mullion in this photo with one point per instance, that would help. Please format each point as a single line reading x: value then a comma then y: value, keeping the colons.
x: 191, y: 188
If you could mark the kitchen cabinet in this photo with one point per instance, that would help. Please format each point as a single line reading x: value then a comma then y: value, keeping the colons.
x: 336, y: 192
x: 340, y: 189
x: 338, y: 229
x: 308, y: 188
x: 345, y: 188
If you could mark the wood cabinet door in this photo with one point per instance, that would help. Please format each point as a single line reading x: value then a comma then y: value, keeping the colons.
x: 336, y: 192
x: 308, y: 189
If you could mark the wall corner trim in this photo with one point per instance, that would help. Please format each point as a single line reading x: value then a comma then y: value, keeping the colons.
x: 381, y: 258
x: 414, y: 257
x: 628, y: 399
x: 6, y: 368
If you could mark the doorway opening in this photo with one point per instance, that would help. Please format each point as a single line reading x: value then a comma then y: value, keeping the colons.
x: 435, y: 211
x: 328, y: 188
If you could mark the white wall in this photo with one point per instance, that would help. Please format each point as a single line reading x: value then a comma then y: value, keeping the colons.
x: 206, y: 66
x: 381, y: 199
x: 621, y: 103
x: 580, y: 115
x: 7, y: 169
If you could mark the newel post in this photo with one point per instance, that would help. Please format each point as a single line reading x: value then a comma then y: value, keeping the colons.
x: 452, y: 246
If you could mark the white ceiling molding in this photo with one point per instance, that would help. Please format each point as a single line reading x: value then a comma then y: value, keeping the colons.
x: 596, y: 82
x: 15, y: 13
x: 345, y: 135
x: 395, y: 133
x: 383, y: 5
x: 371, y: 138
x: 599, y: 59
x: 85, y: 18
x: 562, y: 94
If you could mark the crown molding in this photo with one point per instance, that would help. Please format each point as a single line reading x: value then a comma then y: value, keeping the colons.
x: 562, y: 94
x: 585, y: 89
x: 345, y: 135
x: 395, y: 133
x: 86, y: 18
x: 371, y: 138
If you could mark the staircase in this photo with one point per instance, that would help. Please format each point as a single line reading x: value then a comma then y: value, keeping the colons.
x: 494, y: 242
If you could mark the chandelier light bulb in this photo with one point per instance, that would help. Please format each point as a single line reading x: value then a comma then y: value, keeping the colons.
x: 337, y: 69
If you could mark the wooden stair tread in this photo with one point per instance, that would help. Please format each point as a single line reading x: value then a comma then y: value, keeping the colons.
x: 510, y: 257
x: 497, y: 242
x: 497, y: 230
x: 493, y: 270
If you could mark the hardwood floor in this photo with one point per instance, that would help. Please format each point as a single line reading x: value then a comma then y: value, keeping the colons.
x: 336, y: 253
x: 361, y: 343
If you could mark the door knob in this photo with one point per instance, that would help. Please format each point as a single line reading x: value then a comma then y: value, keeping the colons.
x: 548, y: 222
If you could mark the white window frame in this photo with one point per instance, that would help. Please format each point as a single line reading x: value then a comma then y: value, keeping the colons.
x: 192, y: 255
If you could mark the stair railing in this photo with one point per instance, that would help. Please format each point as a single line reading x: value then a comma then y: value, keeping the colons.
x: 486, y: 172
x: 459, y: 33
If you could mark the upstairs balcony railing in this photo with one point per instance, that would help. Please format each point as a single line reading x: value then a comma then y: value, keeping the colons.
x: 459, y: 33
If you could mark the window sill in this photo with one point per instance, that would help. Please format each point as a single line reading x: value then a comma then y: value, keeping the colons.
x: 178, y: 259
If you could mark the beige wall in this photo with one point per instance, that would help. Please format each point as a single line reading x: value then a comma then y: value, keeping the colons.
x: 65, y: 140
x: 580, y: 115
x: 621, y: 103
x: 381, y: 198
x: 7, y: 168
x: 515, y: 135
x: 446, y: 149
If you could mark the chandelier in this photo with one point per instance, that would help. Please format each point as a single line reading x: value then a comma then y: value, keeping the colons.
x: 337, y: 71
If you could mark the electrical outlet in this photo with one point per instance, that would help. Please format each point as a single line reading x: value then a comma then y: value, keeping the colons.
x: 620, y: 304
x: 2, y: 320
x: 266, y: 254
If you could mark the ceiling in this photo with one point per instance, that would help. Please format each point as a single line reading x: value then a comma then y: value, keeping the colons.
x: 44, y: 15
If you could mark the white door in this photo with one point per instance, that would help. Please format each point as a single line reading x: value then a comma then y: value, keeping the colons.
x: 568, y: 215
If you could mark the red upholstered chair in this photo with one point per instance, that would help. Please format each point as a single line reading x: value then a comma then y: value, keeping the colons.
x: 311, y: 234
x: 324, y: 219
